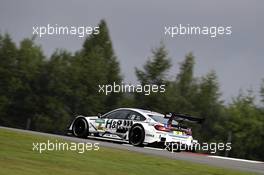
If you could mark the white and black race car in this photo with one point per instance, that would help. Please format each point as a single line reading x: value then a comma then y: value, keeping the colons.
x: 136, y: 126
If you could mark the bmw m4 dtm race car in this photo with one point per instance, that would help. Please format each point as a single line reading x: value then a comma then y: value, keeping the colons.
x: 136, y: 126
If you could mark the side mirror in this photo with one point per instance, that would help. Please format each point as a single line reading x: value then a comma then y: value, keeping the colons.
x: 99, y: 115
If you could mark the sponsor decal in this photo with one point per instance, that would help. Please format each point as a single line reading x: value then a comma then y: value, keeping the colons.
x: 118, y: 124
x: 99, y: 121
x: 150, y: 135
x: 177, y: 133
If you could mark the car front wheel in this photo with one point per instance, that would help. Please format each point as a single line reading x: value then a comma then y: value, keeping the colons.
x: 80, y: 128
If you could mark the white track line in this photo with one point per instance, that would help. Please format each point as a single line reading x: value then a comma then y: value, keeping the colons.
x: 144, y: 147
x: 230, y: 158
x: 154, y: 148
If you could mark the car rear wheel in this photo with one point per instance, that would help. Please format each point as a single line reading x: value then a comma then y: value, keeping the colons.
x: 137, y: 135
x: 80, y: 128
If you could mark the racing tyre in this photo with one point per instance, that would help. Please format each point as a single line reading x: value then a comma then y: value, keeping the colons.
x: 80, y: 128
x: 137, y: 135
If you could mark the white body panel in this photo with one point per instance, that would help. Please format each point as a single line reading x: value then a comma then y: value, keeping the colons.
x: 119, y: 128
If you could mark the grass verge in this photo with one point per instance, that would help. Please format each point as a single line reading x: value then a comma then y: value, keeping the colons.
x: 17, y: 157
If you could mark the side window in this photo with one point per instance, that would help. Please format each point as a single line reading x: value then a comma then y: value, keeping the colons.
x: 136, y: 116
x: 120, y: 114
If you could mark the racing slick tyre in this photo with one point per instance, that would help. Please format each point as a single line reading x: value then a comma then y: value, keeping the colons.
x: 80, y: 128
x: 136, y: 135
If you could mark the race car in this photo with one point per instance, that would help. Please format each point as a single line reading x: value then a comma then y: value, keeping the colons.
x: 136, y: 126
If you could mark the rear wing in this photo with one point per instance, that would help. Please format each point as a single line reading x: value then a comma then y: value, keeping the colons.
x: 182, y: 117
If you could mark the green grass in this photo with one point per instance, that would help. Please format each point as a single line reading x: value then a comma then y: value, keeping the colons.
x: 17, y: 157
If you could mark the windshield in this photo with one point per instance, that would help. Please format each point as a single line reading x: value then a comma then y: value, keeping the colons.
x: 161, y: 119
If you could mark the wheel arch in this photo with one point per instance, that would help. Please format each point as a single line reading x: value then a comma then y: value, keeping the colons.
x: 79, y: 116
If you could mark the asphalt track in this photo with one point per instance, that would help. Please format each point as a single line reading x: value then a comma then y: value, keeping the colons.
x: 230, y: 163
